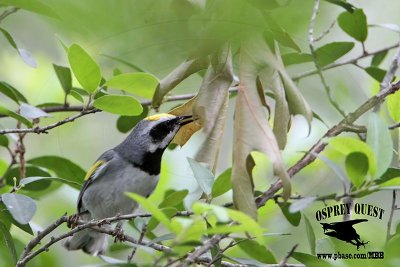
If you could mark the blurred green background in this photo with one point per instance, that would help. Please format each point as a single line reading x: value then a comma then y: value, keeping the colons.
x: 157, y: 36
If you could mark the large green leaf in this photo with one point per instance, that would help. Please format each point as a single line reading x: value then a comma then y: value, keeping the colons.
x: 203, y: 175
x: 293, y: 218
x: 296, y: 58
x: 119, y: 104
x: 12, y: 93
x: 3, y: 141
x: 393, y: 105
x: 85, y: 69
x: 34, y: 179
x: 12, y: 114
x: 357, y: 167
x: 31, y: 112
x: 31, y: 5
x: 380, y: 140
x: 377, y: 73
x: 310, y: 234
x: 126, y: 123
x: 329, y: 53
x: 138, y: 83
x: 354, y: 24
x: 7, y: 248
x: 62, y: 167
x: 257, y: 251
x: 7, y: 219
x: 64, y: 76
x: 222, y: 184
x: 378, y: 58
x: 25, y: 55
x: 346, y: 145
x: 174, y: 199
x: 21, y: 207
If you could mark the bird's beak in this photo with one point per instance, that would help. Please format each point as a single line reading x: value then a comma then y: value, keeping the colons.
x: 183, y: 120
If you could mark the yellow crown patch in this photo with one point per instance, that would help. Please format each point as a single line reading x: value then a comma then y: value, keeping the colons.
x: 156, y: 117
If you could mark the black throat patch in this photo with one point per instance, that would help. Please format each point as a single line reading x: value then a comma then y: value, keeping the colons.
x: 151, y: 162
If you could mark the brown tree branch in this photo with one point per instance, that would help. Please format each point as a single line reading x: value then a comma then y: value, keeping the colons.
x: 318, y: 147
x: 393, y: 208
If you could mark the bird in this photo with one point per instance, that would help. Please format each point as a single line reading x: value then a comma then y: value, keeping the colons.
x: 132, y: 166
x: 344, y: 231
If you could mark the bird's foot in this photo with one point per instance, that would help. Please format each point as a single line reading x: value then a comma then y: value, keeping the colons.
x: 72, y: 221
x: 118, y: 234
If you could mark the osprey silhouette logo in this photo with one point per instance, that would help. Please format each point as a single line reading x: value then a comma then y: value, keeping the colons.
x: 345, y: 231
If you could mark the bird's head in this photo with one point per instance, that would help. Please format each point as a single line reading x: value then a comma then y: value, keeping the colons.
x: 155, y: 132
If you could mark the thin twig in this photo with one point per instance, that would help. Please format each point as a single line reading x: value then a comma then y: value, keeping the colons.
x: 8, y: 12
x: 343, y: 63
x: 394, y: 66
x: 318, y: 147
x: 194, y: 256
x: 393, y: 208
x: 311, y: 42
x: 286, y: 258
x: 324, y: 33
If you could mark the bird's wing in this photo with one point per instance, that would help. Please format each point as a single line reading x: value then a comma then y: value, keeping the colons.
x: 350, y: 222
x: 94, y: 172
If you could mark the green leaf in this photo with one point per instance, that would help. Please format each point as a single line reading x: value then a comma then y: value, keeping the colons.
x: 279, y: 34
x: 32, y: 112
x: 342, y: 3
x: 153, y: 222
x: 329, y: 53
x: 62, y: 167
x: 30, y: 171
x: 7, y: 248
x: 203, y: 175
x: 21, y: 207
x: 85, y: 69
x: 174, y: 199
x: 75, y: 94
x: 293, y: 218
x: 296, y: 58
x: 7, y: 219
x: 119, y: 104
x: 126, y: 63
x: 3, y: 141
x: 12, y: 93
x: 389, y: 174
x: 64, y: 76
x: 29, y: 180
x: 12, y: 114
x: 257, y: 251
x: 3, y: 167
x: 310, y: 260
x: 152, y: 209
x: 33, y: 6
x: 138, y: 83
x: 25, y: 55
x: 380, y: 140
x: 347, y: 145
x: 222, y: 184
x: 126, y: 123
x: 393, y: 183
x: 354, y: 24
x: 357, y: 167
x: 310, y: 235
x: 393, y: 105
x: 301, y: 204
x: 376, y: 73
x: 378, y: 58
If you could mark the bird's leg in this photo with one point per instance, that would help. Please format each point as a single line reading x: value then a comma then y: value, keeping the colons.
x: 72, y: 221
x: 118, y: 233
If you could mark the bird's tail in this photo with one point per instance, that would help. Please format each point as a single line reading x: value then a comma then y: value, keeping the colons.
x: 89, y: 241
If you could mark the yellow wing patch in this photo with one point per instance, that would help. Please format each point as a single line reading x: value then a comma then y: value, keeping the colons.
x: 94, y: 168
x: 156, y: 117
